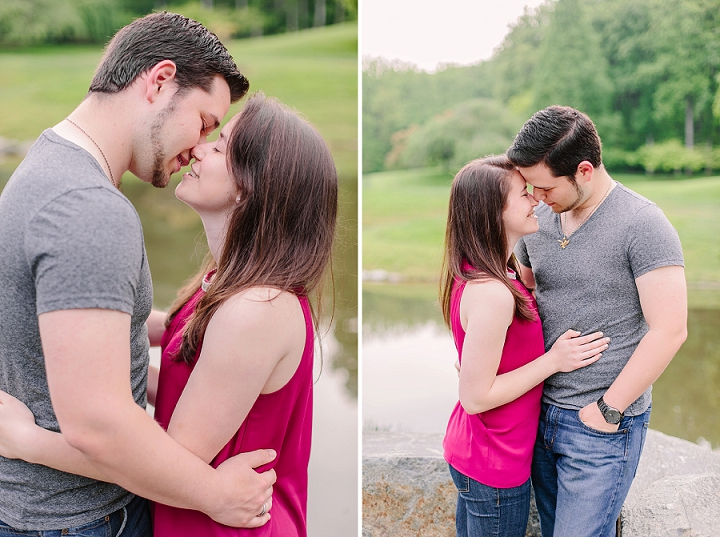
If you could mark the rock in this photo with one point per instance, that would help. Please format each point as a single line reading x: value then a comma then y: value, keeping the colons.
x: 407, y: 490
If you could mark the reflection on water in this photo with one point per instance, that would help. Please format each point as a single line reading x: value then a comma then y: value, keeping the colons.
x: 409, y: 381
x: 410, y: 384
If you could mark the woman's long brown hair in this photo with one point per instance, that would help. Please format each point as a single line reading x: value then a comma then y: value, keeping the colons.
x: 475, y: 232
x: 281, y: 232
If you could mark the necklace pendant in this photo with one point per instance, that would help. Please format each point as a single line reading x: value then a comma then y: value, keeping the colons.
x: 564, y: 242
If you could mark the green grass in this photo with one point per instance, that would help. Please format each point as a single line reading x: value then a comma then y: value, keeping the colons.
x: 314, y: 71
x: 404, y: 216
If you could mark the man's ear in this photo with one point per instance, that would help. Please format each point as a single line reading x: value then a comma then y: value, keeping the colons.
x: 584, y: 171
x: 160, y: 79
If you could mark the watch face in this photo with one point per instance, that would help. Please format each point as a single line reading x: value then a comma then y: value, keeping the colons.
x: 613, y: 416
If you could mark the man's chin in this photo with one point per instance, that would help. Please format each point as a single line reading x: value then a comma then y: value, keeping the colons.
x: 160, y: 179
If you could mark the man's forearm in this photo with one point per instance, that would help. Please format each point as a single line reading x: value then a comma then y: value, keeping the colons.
x: 103, y: 421
x: 133, y: 451
x: 653, y: 354
x: 50, y: 449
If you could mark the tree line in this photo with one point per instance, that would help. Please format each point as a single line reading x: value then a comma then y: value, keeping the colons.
x: 35, y: 22
x: 646, y: 72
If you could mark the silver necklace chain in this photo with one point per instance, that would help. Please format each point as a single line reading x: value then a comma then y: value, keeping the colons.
x: 566, y: 238
x: 112, y: 178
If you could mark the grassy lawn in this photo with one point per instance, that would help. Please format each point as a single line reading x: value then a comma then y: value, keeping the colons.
x: 314, y: 71
x: 404, y: 215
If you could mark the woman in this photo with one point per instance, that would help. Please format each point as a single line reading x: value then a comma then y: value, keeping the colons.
x: 497, y: 332
x: 237, y: 353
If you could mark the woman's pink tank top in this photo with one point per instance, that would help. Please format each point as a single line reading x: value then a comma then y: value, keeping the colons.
x: 495, y: 447
x: 281, y: 420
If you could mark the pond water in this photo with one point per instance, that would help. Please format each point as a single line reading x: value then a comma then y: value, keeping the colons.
x: 410, y: 383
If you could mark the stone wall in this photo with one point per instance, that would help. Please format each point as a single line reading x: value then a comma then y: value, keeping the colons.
x: 407, y: 490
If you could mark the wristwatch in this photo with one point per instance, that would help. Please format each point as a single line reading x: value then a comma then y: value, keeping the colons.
x: 611, y: 415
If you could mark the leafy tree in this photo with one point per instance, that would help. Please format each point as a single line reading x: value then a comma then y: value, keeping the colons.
x: 28, y: 22
x: 571, y: 69
x: 646, y: 71
x: 687, y: 61
x: 513, y: 65
x: 397, y: 95
x: 473, y: 129
x: 663, y: 58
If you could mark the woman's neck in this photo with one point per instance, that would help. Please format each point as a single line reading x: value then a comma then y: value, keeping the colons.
x: 511, y: 248
x: 215, y: 232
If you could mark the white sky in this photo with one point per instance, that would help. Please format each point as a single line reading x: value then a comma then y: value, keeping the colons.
x: 427, y: 32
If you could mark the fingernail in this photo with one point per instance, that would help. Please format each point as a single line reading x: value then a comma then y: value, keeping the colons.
x: 272, y: 453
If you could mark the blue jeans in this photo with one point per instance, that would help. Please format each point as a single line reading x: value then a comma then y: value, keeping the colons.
x: 485, y: 511
x: 581, y: 476
x: 132, y: 520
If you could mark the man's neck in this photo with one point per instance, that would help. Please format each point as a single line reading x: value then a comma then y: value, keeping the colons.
x: 601, y: 186
x: 102, y: 130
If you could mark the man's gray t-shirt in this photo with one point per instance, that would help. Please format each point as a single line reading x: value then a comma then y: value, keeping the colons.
x: 69, y: 240
x: 590, y: 286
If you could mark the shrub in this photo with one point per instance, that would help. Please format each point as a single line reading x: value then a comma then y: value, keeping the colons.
x: 34, y: 22
x: 673, y: 156
x: 474, y: 129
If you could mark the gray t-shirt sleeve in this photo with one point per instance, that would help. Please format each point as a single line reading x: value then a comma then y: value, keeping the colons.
x: 84, y: 252
x: 652, y: 242
x: 521, y: 253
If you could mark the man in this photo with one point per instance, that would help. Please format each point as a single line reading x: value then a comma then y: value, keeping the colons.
x: 76, y: 292
x: 605, y: 259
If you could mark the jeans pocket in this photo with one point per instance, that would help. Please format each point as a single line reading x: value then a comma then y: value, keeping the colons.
x: 462, y: 482
x: 124, y: 522
x: 622, y: 427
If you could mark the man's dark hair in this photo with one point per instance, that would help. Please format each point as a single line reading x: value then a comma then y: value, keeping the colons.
x: 198, y: 55
x: 559, y: 137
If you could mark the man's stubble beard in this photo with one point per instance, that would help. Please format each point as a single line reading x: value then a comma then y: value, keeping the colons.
x: 160, y: 177
x: 578, y: 200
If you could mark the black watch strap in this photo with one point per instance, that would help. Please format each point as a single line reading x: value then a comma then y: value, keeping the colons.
x: 611, y: 415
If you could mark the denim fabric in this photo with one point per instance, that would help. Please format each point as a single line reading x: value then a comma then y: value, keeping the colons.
x: 132, y: 520
x: 490, y: 511
x: 581, y: 476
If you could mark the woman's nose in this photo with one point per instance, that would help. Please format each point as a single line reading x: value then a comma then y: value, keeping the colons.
x: 198, y: 152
